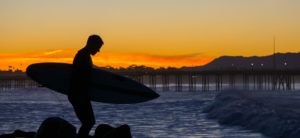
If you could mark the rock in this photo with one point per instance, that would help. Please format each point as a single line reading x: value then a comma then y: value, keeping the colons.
x: 106, y: 131
x: 56, y: 127
x: 7, y: 136
x: 18, y: 134
x: 102, y: 130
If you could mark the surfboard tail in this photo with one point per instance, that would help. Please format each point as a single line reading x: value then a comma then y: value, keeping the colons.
x: 30, y: 71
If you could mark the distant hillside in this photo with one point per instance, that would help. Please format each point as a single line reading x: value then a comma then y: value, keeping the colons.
x: 283, y: 61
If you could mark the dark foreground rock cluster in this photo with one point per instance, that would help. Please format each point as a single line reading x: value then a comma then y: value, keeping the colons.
x: 59, y: 128
x: 275, y: 116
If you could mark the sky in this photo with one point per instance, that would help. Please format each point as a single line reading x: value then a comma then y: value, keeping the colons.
x: 156, y: 33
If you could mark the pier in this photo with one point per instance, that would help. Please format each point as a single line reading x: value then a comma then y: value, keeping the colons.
x: 193, y: 81
x: 271, y: 80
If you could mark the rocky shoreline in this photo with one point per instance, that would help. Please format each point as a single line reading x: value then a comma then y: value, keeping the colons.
x: 56, y: 127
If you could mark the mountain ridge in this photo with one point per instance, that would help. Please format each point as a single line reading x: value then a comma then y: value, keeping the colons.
x: 283, y: 61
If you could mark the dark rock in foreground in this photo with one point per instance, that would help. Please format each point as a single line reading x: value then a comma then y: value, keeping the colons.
x: 19, y: 133
x: 106, y: 131
x: 268, y: 113
x: 56, y: 127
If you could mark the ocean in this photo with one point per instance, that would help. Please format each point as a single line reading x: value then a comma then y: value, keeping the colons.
x: 172, y: 115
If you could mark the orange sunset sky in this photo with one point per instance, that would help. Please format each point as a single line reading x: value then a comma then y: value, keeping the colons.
x: 156, y: 33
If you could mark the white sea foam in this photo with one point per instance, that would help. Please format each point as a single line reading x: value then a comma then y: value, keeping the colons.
x: 274, y: 113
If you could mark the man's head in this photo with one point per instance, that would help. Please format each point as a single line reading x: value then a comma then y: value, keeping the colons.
x: 93, y: 44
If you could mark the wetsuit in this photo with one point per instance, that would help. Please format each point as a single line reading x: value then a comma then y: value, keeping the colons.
x: 78, y: 93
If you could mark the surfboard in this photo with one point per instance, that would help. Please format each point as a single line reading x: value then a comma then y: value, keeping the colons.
x: 105, y: 86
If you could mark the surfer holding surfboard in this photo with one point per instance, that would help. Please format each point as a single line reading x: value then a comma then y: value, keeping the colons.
x: 78, y: 94
x: 83, y: 83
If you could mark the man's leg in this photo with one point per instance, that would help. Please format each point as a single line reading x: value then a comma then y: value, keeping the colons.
x: 85, y: 114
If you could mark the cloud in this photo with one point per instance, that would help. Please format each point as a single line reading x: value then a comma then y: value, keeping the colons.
x: 51, y: 52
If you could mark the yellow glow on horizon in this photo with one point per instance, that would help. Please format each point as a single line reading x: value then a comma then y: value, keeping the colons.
x: 21, y: 61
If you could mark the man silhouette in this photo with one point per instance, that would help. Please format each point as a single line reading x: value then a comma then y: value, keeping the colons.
x: 80, y: 84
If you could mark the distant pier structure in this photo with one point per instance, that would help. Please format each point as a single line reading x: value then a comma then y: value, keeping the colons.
x: 9, y: 82
x: 193, y: 81
x: 218, y: 80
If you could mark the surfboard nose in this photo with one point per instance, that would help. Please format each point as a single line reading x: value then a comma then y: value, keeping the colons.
x: 155, y: 95
x: 151, y: 94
